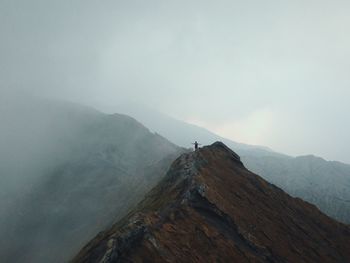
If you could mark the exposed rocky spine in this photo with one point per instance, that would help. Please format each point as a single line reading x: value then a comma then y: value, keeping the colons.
x: 210, y: 208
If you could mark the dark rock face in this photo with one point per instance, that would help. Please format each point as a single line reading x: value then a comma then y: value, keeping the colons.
x: 210, y: 208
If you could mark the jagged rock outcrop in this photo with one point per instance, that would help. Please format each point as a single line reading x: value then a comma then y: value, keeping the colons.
x: 210, y: 208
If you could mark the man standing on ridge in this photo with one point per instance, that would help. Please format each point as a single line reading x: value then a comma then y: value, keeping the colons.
x: 196, y: 144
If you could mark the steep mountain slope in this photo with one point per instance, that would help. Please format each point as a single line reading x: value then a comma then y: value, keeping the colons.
x: 210, y: 208
x: 325, y: 184
x: 87, y: 170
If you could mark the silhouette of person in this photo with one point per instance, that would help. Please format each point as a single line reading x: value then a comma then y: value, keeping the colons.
x: 196, y: 144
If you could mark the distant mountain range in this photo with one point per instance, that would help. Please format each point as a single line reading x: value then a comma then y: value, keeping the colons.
x: 210, y: 208
x: 182, y: 133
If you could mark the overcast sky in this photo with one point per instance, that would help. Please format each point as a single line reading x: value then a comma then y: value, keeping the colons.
x: 273, y: 72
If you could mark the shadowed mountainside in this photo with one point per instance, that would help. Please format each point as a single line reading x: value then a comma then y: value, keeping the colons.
x: 210, y: 208
x: 75, y: 170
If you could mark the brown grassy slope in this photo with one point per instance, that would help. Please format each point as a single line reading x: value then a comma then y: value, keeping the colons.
x: 210, y: 208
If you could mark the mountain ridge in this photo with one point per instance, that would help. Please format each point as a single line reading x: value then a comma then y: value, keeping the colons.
x: 278, y: 168
x: 210, y: 208
x: 92, y: 168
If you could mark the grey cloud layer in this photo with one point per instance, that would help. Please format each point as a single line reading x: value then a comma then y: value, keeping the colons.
x: 213, y: 61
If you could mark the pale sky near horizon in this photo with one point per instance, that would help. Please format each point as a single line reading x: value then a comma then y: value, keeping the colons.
x: 273, y: 73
